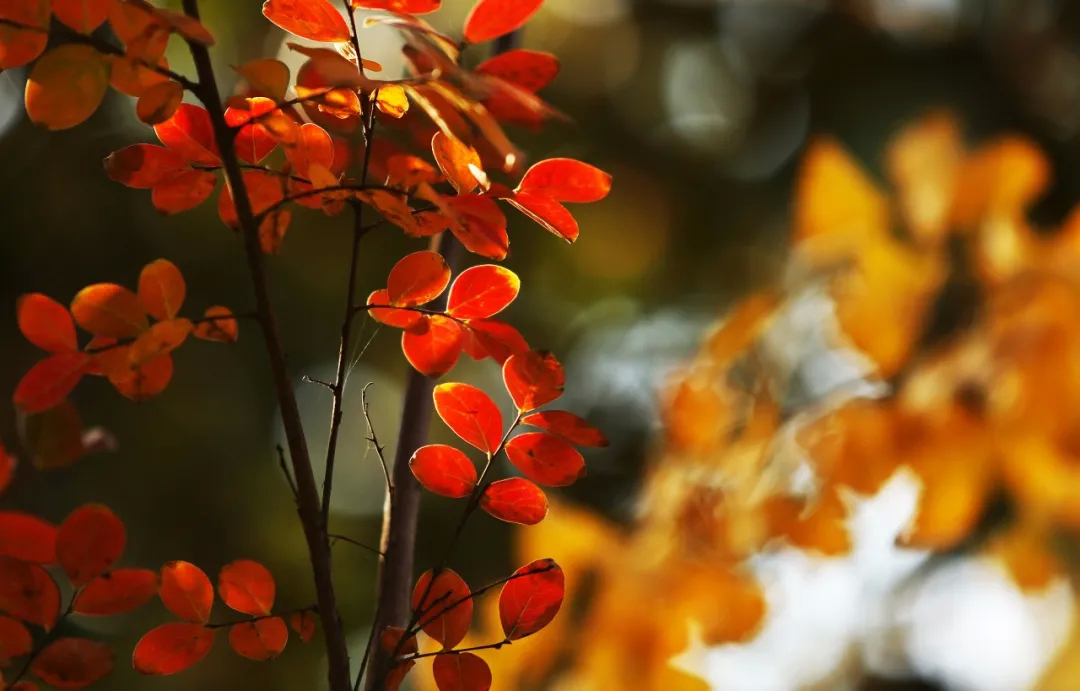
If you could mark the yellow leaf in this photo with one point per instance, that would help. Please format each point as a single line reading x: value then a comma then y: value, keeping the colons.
x: 391, y: 99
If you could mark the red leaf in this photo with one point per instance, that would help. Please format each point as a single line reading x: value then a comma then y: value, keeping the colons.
x: 146, y: 380
x: 15, y: 640
x: 110, y: 310
x: 7, y: 468
x: 445, y: 612
x: 303, y: 623
x: 21, y: 46
x: 461, y: 672
x: 545, y: 459
x: 253, y: 142
x: 182, y: 192
x: 471, y: 414
x: 72, y: 663
x: 247, y: 587
x: 143, y: 166
x: 490, y: 19
x: 46, y: 323
x: 116, y: 592
x: 264, y: 190
x: 27, y: 538
x: 390, y: 641
x: 317, y: 20
x: 568, y: 426
x: 533, y: 378
x: 28, y: 592
x: 529, y: 69
x: 218, y: 327
x: 89, y: 541
x: 458, y: 161
x: 401, y: 319
x: 162, y: 289
x: 189, y: 133
x: 313, y: 147
x: 443, y: 470
x: 432, y: 345
x: 553, y: 216
x: 515, y: 500
x: 172, y: 648
x: 398, y: 6
x: 482, y: 291
x: 82, y: 15
x: 186, y: 591
x: 417, y: 278
x: 259, y: 640
x: 566, y: 180
x: 495, y: 339
x: 530, y: 601
x: 50, y: 381
x: 479, y: 224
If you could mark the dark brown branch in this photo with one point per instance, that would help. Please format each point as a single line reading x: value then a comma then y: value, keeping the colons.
x: 319, y: 551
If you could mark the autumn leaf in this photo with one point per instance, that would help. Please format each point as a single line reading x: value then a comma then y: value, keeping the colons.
x: 260, y: 640
x: 247, y: 587
x: 490, y: 19
x: 390, y: 641
x: 72, y: 663
x: 27, y: 538
x: 515, y: 500
x: 50, y: 381
x: 303, y: 623
x: 253, y: 141
x: 89, y: 542
x: 432, y: 345
x: 189, y: 133
x: 144, y: 166
x: 444, y: 607
x: 46, y: 323
x: 15, y: 640
x: 186, y: 591
x: 161, y: 289
x: 397, y: 6
x: 545, y: 459
x: 109, y: 310
x: 493, y: 338
x: 266, y: 77
x: 482, y: 291
x: 461, y: 672
x: 417, y: 278
x: 159, y: 102
x: 316, y: 20
x: 28, y: 592
x: 443, y: 470
x: 565, y: 180
x: 218, y: 324
x: 459, y: 162
x: 20, y: 46
x: 529, y: 601
x: 533, y: 379
x: 550, y: 214
x: 392, y: 100
x: 568, y: 426
x: 116, y: 592
x: 66, y: 86
x: 479, y: 224
x: 398, y: 318
x: 471, y: 414
x: 172, y: 648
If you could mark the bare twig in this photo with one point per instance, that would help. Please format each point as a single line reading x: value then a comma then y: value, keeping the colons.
x: 374, y: 439
x: 337, y: 537
x: 455, y: 651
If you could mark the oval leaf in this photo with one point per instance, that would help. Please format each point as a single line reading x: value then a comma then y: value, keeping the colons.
x: 444, y: 470
x: 109, y: 310
x: 46, y: 323
x: 28, y: 592
x: 116, y: 592
x: 568, y: 426
x: 457, y: 160
x: 461, y: 672
x: 27, y: 538
x: 89, y: 541
x: 247, y: 587
x: 189, y: 133
x: 545, y: 459
x: 482, y: 291
x: 66, y: 86
x: 72, y: 663
x: 533, y: 379
x: 15, y: 640
x: 259, y: 640
x: 566, y: 180
x: 317, y: 20
x: 303, y: 623
x: 471, y: 414
x: 401, y: 319
x: 217, y: 324
x: 531, y: 599
x: 186, y: 591
x: 490, y: 19
x: 432, y: 345
x: 172, y: 648
x: 159, y: 102
x: 49, y: 381
x: 417, y: 278
x: 444, y: 607
x: 515, y: 500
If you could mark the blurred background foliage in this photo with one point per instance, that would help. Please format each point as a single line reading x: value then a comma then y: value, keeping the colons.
x: 699, y: 108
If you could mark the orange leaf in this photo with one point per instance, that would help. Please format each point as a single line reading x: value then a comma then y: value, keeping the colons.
x: 529, y: 69
x: 129, y: 76
x: 143, y: 166
x: 397, y: 6
x: 392, y: 207
x: 401, y: 319
x: 110, y: 310
x: 28, y: 592
x: 568, y: 426
x: 161, y: 289
x: 54, y: 437
x: 490, y: 19
x: 264, y: 190
x: 303, y: 623
x: 116, y: 592
x: 482, y: 291
x: 545, y: 459
x: 72, y: 663
x: 312, y: 146
x: 247, y: 587
x: 259, y: 640
x: 172, y: 648
x: 218, y: 325
x: 461, y: 672
x: 66, y: 86
x: 530, y: 601
x: 50, y: 381
x: 566, y: 180
x: 159, y: 102
x: 390, y: 641
x: 432, y: 345
x: 471, y: 414
x: 458, y: 161
x: 20, y: 46
x: 392, y: 100
x: 182, y: 192
x: 161, y: 338
x: 46, y: 323
x: 15, y: 640
x: 515, y: 500
x: 444, y: 607
x: 189, y: 133
x: 82, y: 15
x: 444, y: 470
x: 417, y: 278
x: 553, y: 216
x: 186, y: 591
x: 144, y: 381
x: 253, y: 141
x: 493, y: 338
x: 317, y: 20
x: 533, y: 378
x: 266, y: 77
x: 479, y: 224
x: 90, y: 541
x: 27, y: 538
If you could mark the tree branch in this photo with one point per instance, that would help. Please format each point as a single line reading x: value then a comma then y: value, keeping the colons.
x: 307, y: 492
x: 336, y: 537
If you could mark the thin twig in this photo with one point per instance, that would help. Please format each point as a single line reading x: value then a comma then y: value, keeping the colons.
x: 374, y: 439
x: 455, y: 651
x: 251, y: 620
x: 344, y: 187
x: 337, y: 537
x: 422, y: 611
x: 320, y: 382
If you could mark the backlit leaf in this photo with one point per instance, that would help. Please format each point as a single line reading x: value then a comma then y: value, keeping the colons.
x: 461, y: 672
x: 15, y: 640
x: 493, y: 338
x: 479, y: 224
x: 313, y: 145
x: 401, y: 319
x: 116, y: 592
x: 432, y: 345
x: 144, y: 381
x: 529, y: 69
x: 545, y: 459
x: 417, y: 278
x: 218, y: 324
x: 264, y: 190
x: 444, y: 606
x: 490, y: 19
x: 110, y: 310
x: 253, y: 141
x: 20, y: 46
x: 457, y: 161
x: 143, y: 166
x: 183, y: 192
x: 189, y: 133
x: 66, y: 86
x: 397, y: 6
x: 565, y: 180
x: 471, y: 414
x: 27, y: 538
x: 172, y: 648
x: 392, y: 100
x: 186, y: 591
x: 317, y: 20
x: 267, y: 77
x: 263, y: 639
x: 72, y: 663
x: 50, y: 381
x: 303, y: 623
x: 161, y: 338
x: 482, y: 291
x: 28, y: 592
x: 390, y: 640
x: 553, y: 216
x: 568, y: 426
x: 161, y: 289
x: 515, y: 500
x: 46, y: 323
x: 529, y: 602
x: 533, y: 378
x: 89, y: 542
x: 247, y: 587
x: 82, y: 15
x: 443, y: 470
x: 159, y: 102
